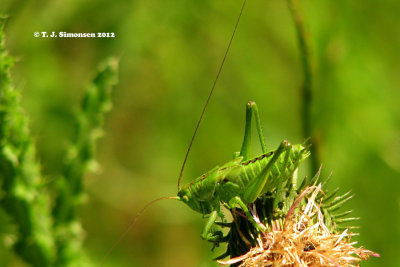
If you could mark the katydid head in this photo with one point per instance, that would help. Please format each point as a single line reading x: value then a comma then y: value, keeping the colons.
x: 186, y: 196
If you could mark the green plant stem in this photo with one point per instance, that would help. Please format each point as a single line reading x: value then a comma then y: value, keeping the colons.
x: 307, y: 87
x: 23, y: 196
x: 79, y: 160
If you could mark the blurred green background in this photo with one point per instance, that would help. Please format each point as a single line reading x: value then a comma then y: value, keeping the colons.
x: 170, y: 52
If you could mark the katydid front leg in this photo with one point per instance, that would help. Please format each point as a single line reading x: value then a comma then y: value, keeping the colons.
x: 208, y: 233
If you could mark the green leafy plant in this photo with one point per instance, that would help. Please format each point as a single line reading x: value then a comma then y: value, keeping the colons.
x: 46, y: 234
x: 80, y: 159
x: 24, y: 198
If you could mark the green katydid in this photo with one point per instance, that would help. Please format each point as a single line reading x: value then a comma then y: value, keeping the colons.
x: 240, y: 181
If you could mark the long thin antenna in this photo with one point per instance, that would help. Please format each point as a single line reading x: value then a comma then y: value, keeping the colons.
x: 131, y: 225
x: 210, y: 94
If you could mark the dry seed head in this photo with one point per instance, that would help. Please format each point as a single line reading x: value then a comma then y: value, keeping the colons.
x: 304, y: 240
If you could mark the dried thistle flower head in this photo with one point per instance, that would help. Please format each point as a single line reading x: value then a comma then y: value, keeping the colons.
x: 303, y: 240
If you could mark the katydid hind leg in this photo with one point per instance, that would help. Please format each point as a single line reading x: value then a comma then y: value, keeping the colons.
x: 281, y: 182
x: 255, y: 187
x: 260, y: 132
x: 245, y: 151
x: 251, y: 109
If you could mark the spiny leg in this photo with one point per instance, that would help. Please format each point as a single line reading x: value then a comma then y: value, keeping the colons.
x: 279, y: 189
x: 251, y: 108
x: 254, y: 188
x: 259, y: 128
x: 245, y: 151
